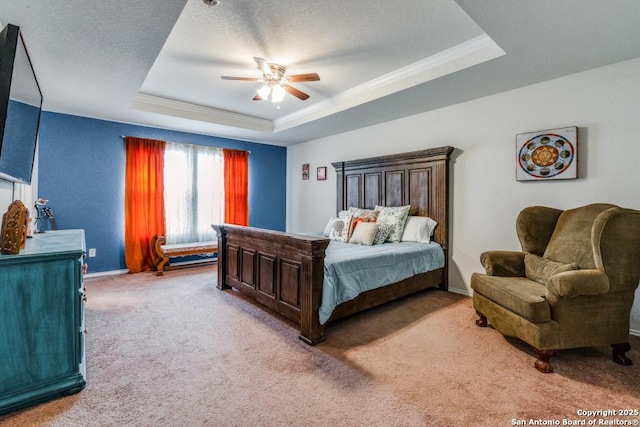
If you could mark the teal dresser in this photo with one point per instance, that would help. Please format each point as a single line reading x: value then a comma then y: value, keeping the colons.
x: 42, y: 320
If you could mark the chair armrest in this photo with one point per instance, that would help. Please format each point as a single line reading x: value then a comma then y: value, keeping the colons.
x: 571, y: 284
x: 503, y: 263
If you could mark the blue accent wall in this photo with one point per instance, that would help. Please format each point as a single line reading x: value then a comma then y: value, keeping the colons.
x: 81, y: 173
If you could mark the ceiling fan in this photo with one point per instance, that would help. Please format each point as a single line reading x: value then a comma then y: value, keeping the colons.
x: 276, y: 83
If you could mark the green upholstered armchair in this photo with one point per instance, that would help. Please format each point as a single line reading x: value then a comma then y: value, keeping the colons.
x: 572, y: 285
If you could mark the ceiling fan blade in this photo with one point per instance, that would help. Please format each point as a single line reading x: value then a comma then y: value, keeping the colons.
x: 248, y: 79
x: 295, y: 92
x: 263, y: 65
x: 309, y: 77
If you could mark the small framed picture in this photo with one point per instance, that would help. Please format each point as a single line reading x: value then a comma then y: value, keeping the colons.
x: 322, y: 173
x: 305, y: 171
x: 547, y: 155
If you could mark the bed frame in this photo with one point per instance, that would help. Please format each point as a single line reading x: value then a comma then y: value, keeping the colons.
x: 285, y: 271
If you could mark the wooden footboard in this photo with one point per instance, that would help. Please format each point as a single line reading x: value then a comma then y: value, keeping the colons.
x: 279, y: 270
x: 284, y: 272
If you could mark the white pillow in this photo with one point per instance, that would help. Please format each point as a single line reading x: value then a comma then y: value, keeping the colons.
x: 418, y: 229
x: 338, y: 228
x: 364, y: 233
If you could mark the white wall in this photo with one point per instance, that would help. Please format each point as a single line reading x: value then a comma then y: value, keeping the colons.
x: 603, y: 103
x: 6, y: 195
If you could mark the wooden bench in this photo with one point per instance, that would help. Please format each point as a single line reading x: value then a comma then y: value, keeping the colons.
x: 162, y: 252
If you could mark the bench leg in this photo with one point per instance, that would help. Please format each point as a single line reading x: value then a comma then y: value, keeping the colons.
x: 159, y: 259
x: 160, y: 267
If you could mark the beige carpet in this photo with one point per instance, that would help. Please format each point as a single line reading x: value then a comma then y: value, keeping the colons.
x: 176, y: 351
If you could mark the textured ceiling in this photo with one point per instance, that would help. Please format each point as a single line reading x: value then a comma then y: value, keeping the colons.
x: 346, y: 44
x: 159, y: 63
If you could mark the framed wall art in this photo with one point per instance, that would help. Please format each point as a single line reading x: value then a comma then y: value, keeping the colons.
x: 322, y: 173
x: 547, y: 154
x: 305, y: 171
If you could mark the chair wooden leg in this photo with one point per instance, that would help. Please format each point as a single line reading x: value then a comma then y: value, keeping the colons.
x: 543, y: 364
x: 482, y: 321
x: 618, y: 353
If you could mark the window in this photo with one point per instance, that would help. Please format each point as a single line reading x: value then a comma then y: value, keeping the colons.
x: 193, y: 192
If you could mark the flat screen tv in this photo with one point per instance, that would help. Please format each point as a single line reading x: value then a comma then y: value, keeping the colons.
x: 20, y: 106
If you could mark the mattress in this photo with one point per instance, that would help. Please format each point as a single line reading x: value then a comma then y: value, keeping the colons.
x: 351, y: 269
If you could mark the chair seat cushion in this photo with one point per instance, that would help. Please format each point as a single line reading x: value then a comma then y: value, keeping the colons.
x: 517, y: 294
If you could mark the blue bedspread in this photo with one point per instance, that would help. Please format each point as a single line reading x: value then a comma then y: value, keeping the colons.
x: 351, y: 269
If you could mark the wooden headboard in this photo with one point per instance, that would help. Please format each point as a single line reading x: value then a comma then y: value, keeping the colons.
x: 417, y: 178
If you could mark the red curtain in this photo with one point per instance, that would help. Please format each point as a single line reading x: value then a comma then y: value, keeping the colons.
x: 144, y: 200
x: 236, y: 187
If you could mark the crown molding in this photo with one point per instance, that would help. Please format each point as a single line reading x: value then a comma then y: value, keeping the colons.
x: 186, y: 110
x: 472, y: 52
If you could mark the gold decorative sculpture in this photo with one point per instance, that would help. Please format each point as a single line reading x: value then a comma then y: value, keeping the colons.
x: 14, y: 227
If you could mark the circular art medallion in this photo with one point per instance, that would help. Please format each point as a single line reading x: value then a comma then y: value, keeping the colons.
x: 546, y: 155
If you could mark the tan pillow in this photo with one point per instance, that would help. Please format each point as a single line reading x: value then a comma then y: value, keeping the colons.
x: 364, y: 233
x: 541, y: 269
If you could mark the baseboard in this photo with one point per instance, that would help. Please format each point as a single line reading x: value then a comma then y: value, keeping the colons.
x: 105, y: 273
x: 634, y: 332
x: 194, y: 262
x: 461, y: 292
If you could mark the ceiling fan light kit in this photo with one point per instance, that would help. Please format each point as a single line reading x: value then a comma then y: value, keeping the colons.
x: 211, y: 2
x: 264, y: 92
x: 273, y: 90
x: 276, y: 83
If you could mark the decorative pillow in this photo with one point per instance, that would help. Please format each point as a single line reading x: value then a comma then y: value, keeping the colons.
x: 364, y: 233
x: 338, y: 228
x: 343, y: 214
x: 541, y: 269
x: 418, y: 229
x: 365, y: 215
x: 384, y: 229
x: 361, y: 215
x: 396, y: 216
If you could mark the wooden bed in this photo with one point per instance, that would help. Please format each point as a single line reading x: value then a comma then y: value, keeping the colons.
x: 285, y: 271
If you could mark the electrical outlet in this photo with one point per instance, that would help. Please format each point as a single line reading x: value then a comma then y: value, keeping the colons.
x: 92, y: 252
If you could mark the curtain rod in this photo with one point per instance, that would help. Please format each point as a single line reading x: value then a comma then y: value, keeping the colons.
x: 248, y: 151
